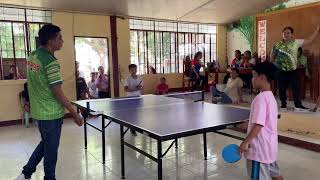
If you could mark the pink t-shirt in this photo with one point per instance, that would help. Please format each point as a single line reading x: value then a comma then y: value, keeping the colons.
x: 264, y: 111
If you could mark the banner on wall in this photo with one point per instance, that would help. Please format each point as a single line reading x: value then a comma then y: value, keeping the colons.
x: 262, y: 39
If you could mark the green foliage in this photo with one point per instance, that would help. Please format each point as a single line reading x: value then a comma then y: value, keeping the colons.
x: 247, y: 29
x: 246, y: 25
x: 276, y: 8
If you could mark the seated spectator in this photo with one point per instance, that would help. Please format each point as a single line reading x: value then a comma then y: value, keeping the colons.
x: 13, y: 73
x: 246, y: 76
x: 162, y: 87
x: 81, y: 87
x: 152, y: 70
x: 250, y: 61
x: 92, y: 86
x: 235, y: 63
x: 25, y: 98
x: 187, y: 66
x: 232, y: 93
x: 200, y: 80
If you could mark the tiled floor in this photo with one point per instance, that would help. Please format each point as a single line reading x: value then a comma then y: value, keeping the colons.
x: 184, y: 163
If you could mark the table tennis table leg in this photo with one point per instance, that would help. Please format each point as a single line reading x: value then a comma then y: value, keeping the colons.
x: 205, y: 145
x: 122, y: 152
x: 103, y: 141
x: 159, y: 160
x: 176, y: 143
x: 85, y: 130
x: 85, y: 134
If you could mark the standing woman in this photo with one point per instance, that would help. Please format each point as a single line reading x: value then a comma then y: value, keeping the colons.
x: 284, y: 54
x: 102, y: 83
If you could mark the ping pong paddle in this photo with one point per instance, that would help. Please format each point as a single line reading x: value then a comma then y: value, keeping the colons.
x: 139, y: 83
x: 231, y: 153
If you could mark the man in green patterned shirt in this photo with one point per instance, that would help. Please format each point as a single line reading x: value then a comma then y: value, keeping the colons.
x: 285, y: 55
x: 47, y: 101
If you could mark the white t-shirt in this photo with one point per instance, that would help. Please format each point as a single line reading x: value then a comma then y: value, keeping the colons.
x: 252, y: 61
x: 132, y: 83
x: 93, y: 89
x: 232, y: 88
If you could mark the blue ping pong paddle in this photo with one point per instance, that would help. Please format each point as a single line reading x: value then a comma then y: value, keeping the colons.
x: 231, y: 153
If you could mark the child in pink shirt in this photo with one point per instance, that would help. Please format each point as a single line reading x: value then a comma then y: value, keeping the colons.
x: 260, y: 147
x: 163, y: 87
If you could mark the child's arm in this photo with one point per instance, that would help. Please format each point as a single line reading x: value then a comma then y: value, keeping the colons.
x: 126, y: 89
x: 253, y: 133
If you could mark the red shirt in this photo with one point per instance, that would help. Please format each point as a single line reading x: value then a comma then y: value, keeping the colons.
x: 195, y: 62
x: 162, y: 89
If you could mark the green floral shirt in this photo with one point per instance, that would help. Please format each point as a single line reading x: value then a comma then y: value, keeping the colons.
x: 287, y: 54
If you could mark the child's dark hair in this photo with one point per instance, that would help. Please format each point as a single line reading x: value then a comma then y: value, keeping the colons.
x: 266, y: 68
x: 288, y: 28
x: 199, y: 53
x: 163, y: 78
x: 48, y: 32
x: 236, y: 70
x: 131, y: 66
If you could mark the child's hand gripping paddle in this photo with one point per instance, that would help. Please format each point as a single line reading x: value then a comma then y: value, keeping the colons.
x: 231, y: 153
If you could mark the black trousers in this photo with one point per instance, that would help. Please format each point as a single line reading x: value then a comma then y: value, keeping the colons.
x: 291, y: 78
x: 103, y: 94
x: 201, y: 82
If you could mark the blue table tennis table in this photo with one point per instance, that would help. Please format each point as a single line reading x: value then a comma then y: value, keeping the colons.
x: 162, y: 118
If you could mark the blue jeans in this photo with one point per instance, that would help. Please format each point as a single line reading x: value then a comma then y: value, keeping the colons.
x: 225, y: 99
x: 47, y: 149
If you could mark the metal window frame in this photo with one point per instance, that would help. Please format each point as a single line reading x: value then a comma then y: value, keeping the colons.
x: 190, y: 35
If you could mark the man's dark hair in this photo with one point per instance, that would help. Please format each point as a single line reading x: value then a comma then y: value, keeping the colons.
x: 266, y: 68
x: 288, y: 28
x: 12, y: 66
x: 238, y: 51
x: 249, y: 52
x: 163, y: 78
x: 236, y: 70
x: 132, y: 66
x: 48, y: 32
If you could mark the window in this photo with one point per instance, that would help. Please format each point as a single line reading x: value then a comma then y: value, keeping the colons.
x: 164, y: 45
x: 18, y: 31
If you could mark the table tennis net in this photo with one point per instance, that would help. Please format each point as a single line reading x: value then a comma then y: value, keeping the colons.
x: 192, y: 96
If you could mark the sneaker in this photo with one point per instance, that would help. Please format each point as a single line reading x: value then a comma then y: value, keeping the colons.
x: 215, y: 100
x: 301, y: 109
x: 21, y: 177
x: 283, y: 108
x: 313, y: 110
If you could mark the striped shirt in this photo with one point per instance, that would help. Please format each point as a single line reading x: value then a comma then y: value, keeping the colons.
x: 43, y: 72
